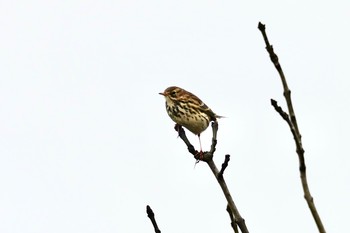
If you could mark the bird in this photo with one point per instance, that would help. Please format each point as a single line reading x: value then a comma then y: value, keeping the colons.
x: 187, y: 110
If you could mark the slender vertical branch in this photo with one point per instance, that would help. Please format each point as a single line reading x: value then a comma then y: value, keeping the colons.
x: 293, y: 125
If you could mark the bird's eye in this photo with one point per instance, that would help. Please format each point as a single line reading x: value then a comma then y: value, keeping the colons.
x: 173, y: 93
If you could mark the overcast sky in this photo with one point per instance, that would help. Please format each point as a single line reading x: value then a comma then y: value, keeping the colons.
x: 86, y: 143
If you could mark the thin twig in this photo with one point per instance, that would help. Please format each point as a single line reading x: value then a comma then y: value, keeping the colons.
x: 237, y: 216
x: 184, y: 138
x: 285, y: 116
x: 292, y: 122
x: 208, y: 158
x: 215, y: 127
x: 150, y: 214
x: 224, y: 166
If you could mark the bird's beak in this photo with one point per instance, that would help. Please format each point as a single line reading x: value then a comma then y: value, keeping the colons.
x: 160, y: 93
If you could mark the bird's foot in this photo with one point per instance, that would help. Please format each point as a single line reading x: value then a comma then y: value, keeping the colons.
x: 199, y: 156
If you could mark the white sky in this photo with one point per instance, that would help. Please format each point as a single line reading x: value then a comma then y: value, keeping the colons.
x: 85, y: 141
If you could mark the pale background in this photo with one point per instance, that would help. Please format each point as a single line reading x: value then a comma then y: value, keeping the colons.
x: 85, y: 141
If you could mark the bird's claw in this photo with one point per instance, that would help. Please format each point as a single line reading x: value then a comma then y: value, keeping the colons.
x: 199, y: 156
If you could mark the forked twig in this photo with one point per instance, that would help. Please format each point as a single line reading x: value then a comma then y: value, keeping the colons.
x: 150, y: 214
x: 293, y: 125
x: 208, y: 158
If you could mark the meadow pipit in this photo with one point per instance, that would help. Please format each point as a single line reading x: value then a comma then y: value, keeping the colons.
x: 187, y: 110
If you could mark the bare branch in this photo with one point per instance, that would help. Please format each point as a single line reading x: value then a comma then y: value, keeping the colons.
x: 208, y: 158
x: 224, y: 166
x: 237, y: 216
x: 278, y: 109
x: 150, y: 214
x: 184, y: 138
x: 233, y: 223
x: 293, y: 125
x: 215, y: 127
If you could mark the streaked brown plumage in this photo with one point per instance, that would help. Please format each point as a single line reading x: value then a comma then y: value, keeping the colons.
x: 187, y: 110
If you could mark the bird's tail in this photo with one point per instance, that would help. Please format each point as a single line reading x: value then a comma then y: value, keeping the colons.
x: 217, y: 116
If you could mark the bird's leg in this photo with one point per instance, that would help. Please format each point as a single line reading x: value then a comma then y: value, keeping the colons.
x: 200, y: 144
x: 200, y: 153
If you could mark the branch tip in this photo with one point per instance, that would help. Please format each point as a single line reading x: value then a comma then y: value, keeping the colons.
x: 150, y: 214
x: 149, y: 211
x: 224, y: 166
x: 261, y: 26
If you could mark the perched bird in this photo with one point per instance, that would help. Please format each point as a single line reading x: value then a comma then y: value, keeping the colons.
x: 187, y: 110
